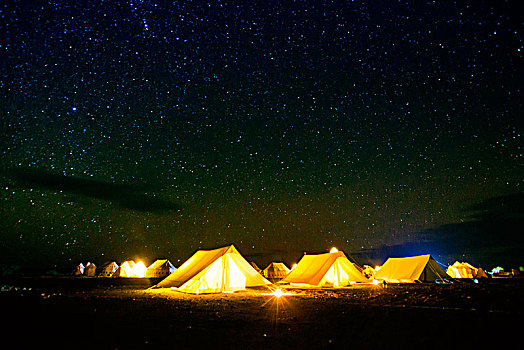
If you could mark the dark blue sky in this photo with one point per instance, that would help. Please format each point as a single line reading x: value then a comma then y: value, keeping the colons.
x: 140, y: 129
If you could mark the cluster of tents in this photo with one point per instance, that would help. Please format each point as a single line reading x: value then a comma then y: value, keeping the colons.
x: 128, y: 268
x: 226, y: 270
x: 465, y: 270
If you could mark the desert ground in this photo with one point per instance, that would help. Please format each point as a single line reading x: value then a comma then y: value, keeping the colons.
x: 104, y: 313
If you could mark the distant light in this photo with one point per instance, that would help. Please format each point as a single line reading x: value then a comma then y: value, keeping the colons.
x: 74, y: 109
x: 377, y: 268
x: 333, y: 250
x: 375, y: 282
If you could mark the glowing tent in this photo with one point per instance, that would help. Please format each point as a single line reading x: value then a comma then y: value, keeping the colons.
x: 125, y: 269
x: 214, y: 271
x: 329, y: 269
x: 275, y: 270
x: 160, y: 268
x: 107, y: 269
x: 465, y: 270
x: 139, y: 270
x: 422, y: 268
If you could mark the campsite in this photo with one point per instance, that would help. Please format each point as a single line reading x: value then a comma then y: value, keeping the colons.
x: 218, y: 299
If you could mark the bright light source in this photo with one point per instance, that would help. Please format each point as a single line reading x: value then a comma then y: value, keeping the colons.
x: 333, y: 250
x: 294, y: 265
x: 278, y: 293
x: 139, y: 270
x: 375, y: 282
x: 377, y: 268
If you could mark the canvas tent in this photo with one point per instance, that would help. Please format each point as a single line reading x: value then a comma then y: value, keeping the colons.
x: 465, y: 270
x: 275, y: 270
x: 125, y: 269
x: 214, y: 271
x: 139, y: 270
x: 90, y: 270
x: 160, y: 268
x: 107, y: 269
x: 79, y: 270
x: 329, y: 269
x: 422, y: 268
x: 481, y: 273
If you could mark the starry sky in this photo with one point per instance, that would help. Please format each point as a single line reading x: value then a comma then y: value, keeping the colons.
x: 147, y: 129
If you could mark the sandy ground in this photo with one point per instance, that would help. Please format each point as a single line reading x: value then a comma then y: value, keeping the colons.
x: 97, y: 313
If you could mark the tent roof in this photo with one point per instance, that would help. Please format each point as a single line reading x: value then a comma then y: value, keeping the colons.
x: 129, y: 263
x: 465, y: 270
x: 160, y: 263
x: 411, y: 269
x: 277, y: 266
x: 311, y: 269
x: 463, y: 264
x: 202, y: 259
x: 109, y: 263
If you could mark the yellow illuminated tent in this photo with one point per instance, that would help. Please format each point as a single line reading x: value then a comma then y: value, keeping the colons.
x: 422, y: 268
x: 214, y: 271
x: 465, y: 270
x: 275, y: 270
x: 107, y: 269
x: 329, y: 269
x: 139, y: 270
x: 125, y: 269
x: 160, y: 268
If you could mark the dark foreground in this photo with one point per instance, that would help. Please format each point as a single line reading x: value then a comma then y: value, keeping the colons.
x: 94, y: 313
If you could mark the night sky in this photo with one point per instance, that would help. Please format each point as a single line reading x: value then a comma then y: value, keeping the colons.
x: 140, y: 129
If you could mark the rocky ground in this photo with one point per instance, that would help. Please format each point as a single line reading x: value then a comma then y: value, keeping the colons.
x: 97, y: 313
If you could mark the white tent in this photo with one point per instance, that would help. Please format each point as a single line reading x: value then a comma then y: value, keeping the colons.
x: 422, y: 268
x: 79, y: 269
x: 214, y: 271
x: 107, y: 269
x: 329, y: 269
x: 275, y: 270
x: 160, y: 268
